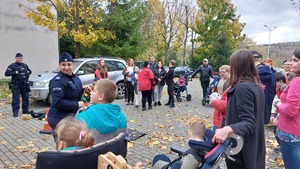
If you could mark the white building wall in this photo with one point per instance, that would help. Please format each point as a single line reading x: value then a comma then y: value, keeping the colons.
x: 38, y: 45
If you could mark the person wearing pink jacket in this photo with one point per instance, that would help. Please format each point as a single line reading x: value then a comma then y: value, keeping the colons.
x: 288, y: 125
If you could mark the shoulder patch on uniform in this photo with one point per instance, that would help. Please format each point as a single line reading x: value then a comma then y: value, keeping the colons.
x: 57, y: 78
x: 56, y: 89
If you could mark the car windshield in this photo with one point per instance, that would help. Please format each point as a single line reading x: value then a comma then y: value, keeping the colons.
x: 76, y: 64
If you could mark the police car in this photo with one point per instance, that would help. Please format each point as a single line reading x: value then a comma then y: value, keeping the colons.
x: 84, y: 68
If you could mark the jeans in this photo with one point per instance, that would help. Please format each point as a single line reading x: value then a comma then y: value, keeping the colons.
x: 205, y: 85
x: 291, y: 154
x: 157, y: 92
x: 130, y: 92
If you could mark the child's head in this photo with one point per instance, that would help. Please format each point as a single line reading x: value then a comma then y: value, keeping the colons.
x: 105, y: 91
x: 136, y: 69
x: 196, y: 131
x: 172, y: 63
x: 71, y: 132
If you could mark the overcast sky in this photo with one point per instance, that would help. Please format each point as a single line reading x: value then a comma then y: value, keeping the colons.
x: 273, y: 13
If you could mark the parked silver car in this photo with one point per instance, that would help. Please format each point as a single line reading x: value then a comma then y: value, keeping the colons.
x: 84, y: 68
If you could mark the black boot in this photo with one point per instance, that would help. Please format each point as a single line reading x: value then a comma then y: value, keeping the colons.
x: 158, y: 103
x: 15, y: 114
x: 167, y: 104
x: 155, y: 104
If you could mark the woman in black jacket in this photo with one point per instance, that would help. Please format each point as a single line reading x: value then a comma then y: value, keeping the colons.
x: 159, y: 74
x: 245, y: 117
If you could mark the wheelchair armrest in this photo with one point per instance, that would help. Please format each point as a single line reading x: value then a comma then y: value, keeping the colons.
x: 177, y: 150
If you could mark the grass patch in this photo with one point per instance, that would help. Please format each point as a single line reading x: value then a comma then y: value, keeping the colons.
x: 5, y: 93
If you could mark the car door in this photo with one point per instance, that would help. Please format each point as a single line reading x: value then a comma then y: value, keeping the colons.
x: 86, y: 72
x: 112, y: 69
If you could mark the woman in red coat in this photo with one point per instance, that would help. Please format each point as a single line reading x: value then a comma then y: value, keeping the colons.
x: 146, y: 85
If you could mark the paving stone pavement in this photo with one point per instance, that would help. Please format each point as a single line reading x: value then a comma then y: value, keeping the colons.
x: 164, y: 127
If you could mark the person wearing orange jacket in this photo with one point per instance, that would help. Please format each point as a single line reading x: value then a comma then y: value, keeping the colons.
x: 101, y: 71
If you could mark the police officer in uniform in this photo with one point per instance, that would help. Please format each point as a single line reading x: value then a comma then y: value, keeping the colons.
x: 66, y: 91
x: 19, y: 73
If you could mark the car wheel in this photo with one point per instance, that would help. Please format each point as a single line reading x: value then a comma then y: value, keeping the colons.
x: 49, y: 99
x: 121, y: 90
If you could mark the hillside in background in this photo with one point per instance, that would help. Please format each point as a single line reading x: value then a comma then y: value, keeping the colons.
x: 279, y: 51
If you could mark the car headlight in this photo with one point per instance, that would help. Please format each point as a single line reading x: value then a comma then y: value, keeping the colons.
x: 42, y: 83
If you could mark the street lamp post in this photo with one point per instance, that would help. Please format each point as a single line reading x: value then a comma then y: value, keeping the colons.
x: 269, y: 40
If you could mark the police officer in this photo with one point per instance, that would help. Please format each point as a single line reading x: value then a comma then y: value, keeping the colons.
x: 66, y: 91
x: 19, y: 73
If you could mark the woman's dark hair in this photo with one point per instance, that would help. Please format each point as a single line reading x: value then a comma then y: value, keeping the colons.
x: 297, y: 53
x: 102, y: 68
x: 242, y: 67
x: 162, y: 65
x: 145, y: 64
x: 280, y: 77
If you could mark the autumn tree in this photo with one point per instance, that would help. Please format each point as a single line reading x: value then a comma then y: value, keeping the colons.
x: 219, y: 31
x: 75, y: 20
x: 166, y: 30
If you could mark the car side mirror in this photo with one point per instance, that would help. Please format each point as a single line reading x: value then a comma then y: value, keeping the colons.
x: 80, y: 72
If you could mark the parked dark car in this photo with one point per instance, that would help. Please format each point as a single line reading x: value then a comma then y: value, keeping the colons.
x: 182, y: 71
x: 139, y: 64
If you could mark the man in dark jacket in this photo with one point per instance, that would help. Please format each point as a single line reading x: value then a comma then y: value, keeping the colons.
x: 170, y: 82
x: 266, y: 78
x: 205, y: 74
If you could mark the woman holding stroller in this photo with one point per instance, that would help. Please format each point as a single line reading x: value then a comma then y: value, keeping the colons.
x: 159, y: 74
x: 245, y: 102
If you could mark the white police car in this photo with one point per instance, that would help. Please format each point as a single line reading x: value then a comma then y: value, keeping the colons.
x: 84, y: 68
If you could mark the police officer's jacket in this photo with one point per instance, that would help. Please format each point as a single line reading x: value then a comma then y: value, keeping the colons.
x: 19, y: 72
x: 66, y: 91
x: 205, y: 72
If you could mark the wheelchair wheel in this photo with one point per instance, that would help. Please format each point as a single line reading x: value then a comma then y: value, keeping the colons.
x: 189, y: 97
x: 179, y: 99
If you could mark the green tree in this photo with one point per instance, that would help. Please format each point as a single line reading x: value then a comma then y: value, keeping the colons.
x: 219, y: 32
x: 124, y: 19
x: 74, y: 20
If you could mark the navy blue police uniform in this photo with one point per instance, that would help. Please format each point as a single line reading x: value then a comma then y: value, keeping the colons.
x: 66, y: 91
x: 19, y: 73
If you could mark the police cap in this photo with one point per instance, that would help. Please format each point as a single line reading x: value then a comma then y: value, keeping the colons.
x: 65, y: 57
x: 19, y: 55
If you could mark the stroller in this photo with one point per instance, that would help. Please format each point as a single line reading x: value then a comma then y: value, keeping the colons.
x: 231, y: 146
x: 181, y: 86
x: 210, y: 90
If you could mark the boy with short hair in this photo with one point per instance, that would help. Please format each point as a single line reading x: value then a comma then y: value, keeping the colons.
x: 105, y: 120
x: 191, y: 159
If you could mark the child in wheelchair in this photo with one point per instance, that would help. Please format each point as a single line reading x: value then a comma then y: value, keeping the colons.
x: 203, y: 152
x: 190, y: 159
x: 73, y: 135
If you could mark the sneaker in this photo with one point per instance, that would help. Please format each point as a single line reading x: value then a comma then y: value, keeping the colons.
x: 15, y: 115
x: 132, y: 103
x: 136, y: 106
x: 172, y: 106
x: 150, y: 107
x: 155, y: 103
x: 158, y: 103
x: 143, y: 109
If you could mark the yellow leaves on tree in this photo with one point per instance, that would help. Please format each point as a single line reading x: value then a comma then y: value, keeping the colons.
x: 76, y: 19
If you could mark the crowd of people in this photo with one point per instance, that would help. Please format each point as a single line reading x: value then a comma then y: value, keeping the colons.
x: 247, y: 104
